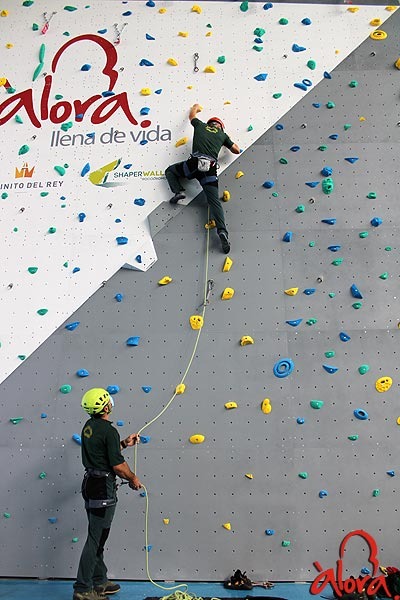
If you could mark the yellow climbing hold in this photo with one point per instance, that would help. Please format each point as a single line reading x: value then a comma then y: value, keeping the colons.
x: 226, y: 196
x: 378, y: 35
x: 398, y: 421
x: 249, y: 475
x: 189, y: 87
x: 375, y: 22
x: 145, y: 92
x: 383, y: 384
x: 4, y: 13
x: 162, y: 11
x: 291, y: 291
x: 397, y: 63
x: 185, y: 33
x: 9, y: 46
x: 196, y: 8
x: 181, y: 142
x: 245, y: 340
x: 172, y: 62
x: 227, y: 294
x: 180, y: 388
x: 227, y: 265
x: 362, y: 119
x: 353, y: 9
x: 197, y: 438
x: 209, y: 34
x: 210, y: 69
x: 227, y: 102
x: 211, y: 224
x: 166, y: 521
x: 229, y: 405
x: 391, y: 8
x: 239, y: 174
x: 227, y: 526
x: 165, y: 280
x: 266, y: 406
x: 3, y: 81
x: 196, y: 321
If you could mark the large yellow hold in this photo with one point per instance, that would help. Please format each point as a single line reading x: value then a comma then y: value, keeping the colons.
x: 226, y: 196
x: 227, y: 526
x: 227, y: 265
x: 196, y: 8
x: 180, y: 388
x: 210, y: 69
x: 230, y: 405
x: 165, y: 280
x: 197, y: 438
x: 145, y: 92
x: 196, y: 321
x: 266, y: 406
x: 181, y: 142
x: 227, y: 294
x: 173, y: 62
x: 383, y: 384
x: 396, y: 64
x: 245, y: 340
x: 291, y: 291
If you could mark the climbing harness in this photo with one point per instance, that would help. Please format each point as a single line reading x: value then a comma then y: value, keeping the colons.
x: 118, y: 33
x: 195, y: 59
x: 47, y: 20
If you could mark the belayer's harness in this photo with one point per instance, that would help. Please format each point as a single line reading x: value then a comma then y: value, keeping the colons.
x: 200, y: 163
x: 95, y: 491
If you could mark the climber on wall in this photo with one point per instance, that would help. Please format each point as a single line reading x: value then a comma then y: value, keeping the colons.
x: 208, y: 140
x: 102, y: 459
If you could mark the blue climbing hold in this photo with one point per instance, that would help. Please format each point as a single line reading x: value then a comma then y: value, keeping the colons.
x: 120, y: 423
x: 390, y: 473
x: 149, y: 37
x: 258, y: 40
x: 90, y: 135
x: 307, y: 82
x: 77, y: 438
x: 133, y: 341
x: 82, y: 373
x: 269, y: 531
x: 118, y: 297
x: 365, y: 571
x: 352, y: 159
x: 279, y: 126
x: 107, y: 93
x: 261, y: 76
x: 327, y: 75
x: 334, y: 136
x: 327, y: 171
x: 138, y: 258
x: 309, y: 291
x: 86, y: 67
x: 150, y: 3
x: 143, y: 142
x: 145, y: 439
x: 376, y: 221
x: 330, y: 369
x: 301, y: 86
x: 312, y: 184
x: 143, y: 495
x: 139, y: 201
x: 146, y: 388
x: 283, y: 367
x: 81, y: 217
x: 113, y: 389
x: 43, y: 415
x: 145, y: 63
x: 297, y: 48
x: 72, y: 326
x: 85, y: 170
x: 268, y: 184
x: 361, y: 414
x: 295, y: 322
x: 287, y: 237
x: 306, y: 21
x: 316, y: 104
x: 145, y: 110
x: 295, y: 148
x: 127, y: 13
x: 300, y: 421
x: 328, y: 221
x: 76, y: 269
x: 344, y: 337
x: 121, y: 240
x: 158, y: 91
x: 102, y: 31
x: 334, y: 248
x: 128, y: 166
x: 118, y: 221
x: 268, y: 5
x: 52, y: 520
x: 323, y: 494
x: 355, y: 292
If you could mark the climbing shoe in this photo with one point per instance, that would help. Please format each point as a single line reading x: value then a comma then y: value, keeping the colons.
x: 107, y: 588
x: 225, y: 245
x: 176, y: 197
x: 238, y: 581
x: 91, y: 595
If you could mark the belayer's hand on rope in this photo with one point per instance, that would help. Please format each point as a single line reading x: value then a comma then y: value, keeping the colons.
x: 134, y: 483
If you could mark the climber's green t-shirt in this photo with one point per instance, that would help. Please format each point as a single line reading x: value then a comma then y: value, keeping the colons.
x: 100, y: 445
x: 208, y: 139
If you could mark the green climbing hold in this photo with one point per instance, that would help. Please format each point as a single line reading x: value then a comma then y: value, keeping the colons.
x: 221, y: 59
x: 22, y: 356
x: 42, y: 475
x: 244, y: 6
x: 42, y: 311
x: 36, y: 72
x: 285, y: 543
x: 323, y: 147
x: 6, y: 515
x: 4, y: 196
x: 275, y: 194
x: 65, y: 264
x: 283, y: 21
x: 384, y: 275
x: 337, y: 262
x: 66, y: 33
x: 357, y: 305
x: 259, y: 31
x: 15, y: 229
x: 66, y: 389
x: 330, y: 353
x: 75, y: 539
x: 283, y: 161
x: 311, y: 244
x: 58, y: 96
x: 353, y: 84
x: 331, y: 294
x: 328, y: 185
x: 311, y: 64
x: 208, y: 24
x: 371, y: 195
x: 258, y: 48
x: 52, y: 230
x: 277, y: 95
x: 10, y: 90
x: 63, y: 205
x: 363, y: 234
x: 353, y: 438
x: 42, y: 51
x: 362, y: 369
x: 300, y: 208
x: 330, y: 104
x: 32, y: 270
x: 60, y: 170
x: 376, y: 492
x: 44, y: 194
x: 70, y: 8
x: 311, y: 321
x: 35, y: 27
x: 23, y: 150
x: 303, y: 475
x: 18, y: 119
x: 16, y: 420
x: 346, y: 126
x: 317, y: 404
x: 27, y: 3
x: 66, y: 126
x: 250, y: 128
x: 388, y: 248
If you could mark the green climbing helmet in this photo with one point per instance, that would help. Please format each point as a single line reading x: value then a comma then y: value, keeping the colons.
x: 95, y: 400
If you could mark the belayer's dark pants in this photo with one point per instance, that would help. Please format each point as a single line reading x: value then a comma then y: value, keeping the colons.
x: 176, y: 171
x: 92, y: 570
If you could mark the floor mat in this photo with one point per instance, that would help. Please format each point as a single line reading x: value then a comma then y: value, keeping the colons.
x: 233, y: 598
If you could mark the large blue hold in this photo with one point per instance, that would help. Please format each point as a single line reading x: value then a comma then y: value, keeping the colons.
x: 306, y: 21
x: 85, y: 170
x: 309, y: 291
x: 72, y: 326
x: 355, y: 292
x: 295, y: 148
x: 145, y: 439
x: 301, y: 86
x: 261, y: 76
x: 376, y: 221
x: 113, y: 389
x: 294, y: 322
x: 297, y: 48
x: 333, y: 136
x: 121, y: 240
x: 150, y: 37
x: 86, y: 67
x: 268, y: 184
x: 139, y: 201
x: 361, y: 414
x: 146, y: 63
x: 133, y: 341
x: 146, y: 388
x: 268, y: 5
x: 83, y: 373
x: 287, y: 237
x: 352, y: 159
x: 330, y: 369
x: 145, y: 110
x: 344, y: 336
x: 328, y: 221
x: 334, y: 248
x: 118, y: 297
x: 77, y: 438
x: 327, y: 171
x: 312, y: 184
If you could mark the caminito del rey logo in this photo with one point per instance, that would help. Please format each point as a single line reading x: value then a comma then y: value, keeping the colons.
x: 371, y: 583
x: 102, y: 106
x: 25, y: 171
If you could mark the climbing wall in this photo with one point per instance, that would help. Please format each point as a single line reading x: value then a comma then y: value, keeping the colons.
x: 267, y: 492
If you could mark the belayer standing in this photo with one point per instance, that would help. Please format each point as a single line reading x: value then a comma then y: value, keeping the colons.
x: 102, y: 459
x: 208, y: 139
